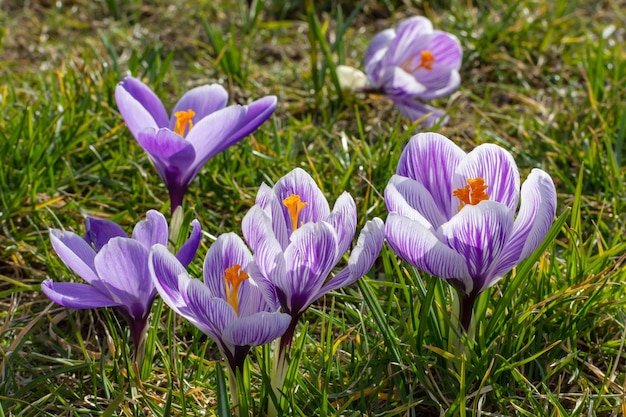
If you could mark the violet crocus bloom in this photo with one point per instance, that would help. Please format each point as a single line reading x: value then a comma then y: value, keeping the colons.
x: 115, y: 267
x: 413, y: 63
x: 228, y: 306
x: 199, y: 128
x: 297, y: 241
x: 455, y: 215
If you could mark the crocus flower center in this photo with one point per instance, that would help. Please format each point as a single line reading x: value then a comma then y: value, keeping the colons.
x: 294, y: 206
x: 183, y: 118
x: 473, y: 193
x: 233, y: 277
x: 426, y: 62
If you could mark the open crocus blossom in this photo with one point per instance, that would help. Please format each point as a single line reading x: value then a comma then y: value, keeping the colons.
x: 199, y: 128
x: 455, y: 215
x: 115, y: 267
x: 414, y: 62
x: 297, y: 241
x: 228, y: 306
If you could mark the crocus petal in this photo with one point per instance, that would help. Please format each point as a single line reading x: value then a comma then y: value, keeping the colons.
x: 139, y: 106
x: 228, y: 250
x: 267, y: 199
x: 411, y: 199
x: 300, y: 183
x: 479, y: 234
x: 497, y: 167
x: 99, y: 231
x: 428, y: 115
x: 165, y: 271
x: 257, y: 113
x: 76, y: 253
x: 202, y: 100
x: 122, y: 266
x: 257, y: 227
x: 188, y: 250
x: 343, y: 220
x: 166, y: 147
x: 257, y: 329
x: 76, y: 295
x: 151, y: 231
x: 310, y: 257
x: 400, y: 85
x: 406, y: 43
x: 446, y: 49
x: 268, y: 267
x: 376, y: 49
x: 252, y: 298
x: 362, y: 257
x: 533, y: 221
x: 210, y: 314
x: 422, y: 249
x: 213, y: 134
x: 430, y: 159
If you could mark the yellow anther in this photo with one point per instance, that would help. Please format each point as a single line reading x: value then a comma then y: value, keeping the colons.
x: 233, y: 277
x: 473, y: 193
x: 183, y: 118
x: 294, y: 206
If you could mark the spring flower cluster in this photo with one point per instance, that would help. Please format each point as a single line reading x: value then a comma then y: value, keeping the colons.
x: 462, y: 217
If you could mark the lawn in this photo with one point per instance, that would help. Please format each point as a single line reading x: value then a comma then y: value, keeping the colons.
x: 546, y: 81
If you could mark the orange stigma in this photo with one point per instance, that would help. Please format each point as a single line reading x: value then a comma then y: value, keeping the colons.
x: 473, y: 193
x: 426, y: 62
x: 183, y: 118
x: 233, y: 277
x: 294, y: 206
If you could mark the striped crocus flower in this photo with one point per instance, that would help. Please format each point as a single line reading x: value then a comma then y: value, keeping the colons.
x: 200, y: 127
x: 115, y: 268
x: 456, y: 216
x: 297, y: 242
x: 413, y: 63
x: 228, y: 306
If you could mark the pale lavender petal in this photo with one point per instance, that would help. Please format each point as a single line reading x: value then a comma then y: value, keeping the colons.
x: 166, y: 273
x: 446, y: 49
x: 76, y: 253
x: 257, y: 329
x: 411, y: 36
x: 479, y: 234
x: 300, y: 183
x: 252, y: 297
x: 411, y: 199
x: 440, y: 84
x: 99, y: 231
x: 203, y: 100
x: 398, y: 84
x: 228, y: 250
x: 310, y: 257
x: 269, y: 268
x: 421, y: 248
x: 188, y: 250
x: 414, y: 111
x: 266, y: 198
x: 497, y: 167
x: 376, y: 50
x: 151, y: 231
x: 343, y: 220
x: 257, y: 227
x: 76, y: 295
x: 139, y: 106
x: 122, y: 266
x: 213, y: 134
x: 533, y: 221
x: 166, y: 148
x: 431, y: 159
x: 257, y: 113
x: 210, y: 314
x: 362, y: 257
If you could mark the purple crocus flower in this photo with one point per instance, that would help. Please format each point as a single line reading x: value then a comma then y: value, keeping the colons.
x: 297, y: 241
x: 199, y: 128
x: 414, y: 62
x: 455, y: 215
x: 228, y: 307
x: 115, y: 267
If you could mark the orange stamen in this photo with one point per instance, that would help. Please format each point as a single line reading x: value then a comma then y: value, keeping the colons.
x: 183, y: 118
x: 426, y: 62
x: 294, y: 206
x: 234, y: 276
x: 473, y: 193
